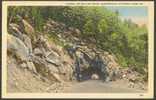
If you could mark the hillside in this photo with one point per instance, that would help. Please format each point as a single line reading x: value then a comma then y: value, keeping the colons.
x: 52, y: 52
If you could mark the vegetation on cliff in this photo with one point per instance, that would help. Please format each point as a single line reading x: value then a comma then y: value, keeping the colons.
x: 99, y: 26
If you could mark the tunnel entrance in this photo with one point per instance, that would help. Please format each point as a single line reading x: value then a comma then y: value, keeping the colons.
x: 87, y: 74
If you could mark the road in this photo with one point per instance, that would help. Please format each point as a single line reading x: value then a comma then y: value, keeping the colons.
x: 97, y: 86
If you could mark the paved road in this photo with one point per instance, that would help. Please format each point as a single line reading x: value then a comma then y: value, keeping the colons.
x: 96, y: 86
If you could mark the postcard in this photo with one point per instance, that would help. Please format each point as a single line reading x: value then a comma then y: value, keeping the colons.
x: 77, y: 49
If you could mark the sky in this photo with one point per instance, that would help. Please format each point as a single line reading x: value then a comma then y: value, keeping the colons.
x: 136, y: 14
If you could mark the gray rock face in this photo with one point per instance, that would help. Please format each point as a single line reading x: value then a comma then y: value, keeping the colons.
x: 38, y: 55
x: 46, y: 69
x: 38, y: 52
x: 14, y: 29
x: 31, y: 66
x: 52, y: 68
x: 103, y: 64
x: 53, y: 57
x: 112, y: 66
x: 28, y: 28
x: 23, y: 65
x: 100, y: 65
x: 84, y: 60
x: 27, y: 42
x: 17, y: 47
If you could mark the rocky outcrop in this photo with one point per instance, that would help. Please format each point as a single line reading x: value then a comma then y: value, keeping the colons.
x: 54, y: 62
x: 41, y: 58
x: 92, y: 61
x: 27, y: 42
x: 53, y: 57
x: 88, y: 57
x: 14, y: 30
x: 17, y: 48
x: 28, y: 28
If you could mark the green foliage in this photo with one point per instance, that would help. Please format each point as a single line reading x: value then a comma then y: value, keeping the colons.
x: 125, y: 39
x: 102, y: 26
x: 31, y: 14
x: 89, y: 28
